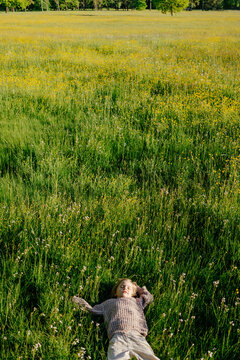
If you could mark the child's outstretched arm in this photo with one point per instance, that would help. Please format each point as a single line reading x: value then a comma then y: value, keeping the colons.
x: 144, y: 296
x: 97, y: 309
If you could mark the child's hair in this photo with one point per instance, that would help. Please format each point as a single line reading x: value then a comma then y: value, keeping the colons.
x: 134, y: 284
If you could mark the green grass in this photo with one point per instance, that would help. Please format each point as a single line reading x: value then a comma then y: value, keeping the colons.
x: 119, y: 157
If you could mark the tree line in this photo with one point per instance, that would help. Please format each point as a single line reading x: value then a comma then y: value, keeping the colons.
x: 165, y: 6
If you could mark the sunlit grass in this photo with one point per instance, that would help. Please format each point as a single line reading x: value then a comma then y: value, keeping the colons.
x: 119, y: 156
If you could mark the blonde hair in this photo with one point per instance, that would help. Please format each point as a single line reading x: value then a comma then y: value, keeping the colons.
x: 134, y: 284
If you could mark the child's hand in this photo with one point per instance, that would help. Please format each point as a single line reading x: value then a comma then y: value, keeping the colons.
x: 81, y: 303
x: 140, y: 290
x: 78, y: 300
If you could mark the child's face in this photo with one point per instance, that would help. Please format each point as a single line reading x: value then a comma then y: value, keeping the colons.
x: 125, y: 289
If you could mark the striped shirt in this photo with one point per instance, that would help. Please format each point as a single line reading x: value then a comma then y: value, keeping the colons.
x: 121, y: 314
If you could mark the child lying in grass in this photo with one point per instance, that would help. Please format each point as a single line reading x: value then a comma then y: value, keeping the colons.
x: 125, y: 321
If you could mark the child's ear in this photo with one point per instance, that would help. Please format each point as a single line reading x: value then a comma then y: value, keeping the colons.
x: 136, y: 287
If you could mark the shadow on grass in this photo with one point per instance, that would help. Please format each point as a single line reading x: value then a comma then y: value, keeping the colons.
x: 30, y: 294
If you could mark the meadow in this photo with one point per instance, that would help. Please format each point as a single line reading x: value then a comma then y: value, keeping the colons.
x: 119, y: 157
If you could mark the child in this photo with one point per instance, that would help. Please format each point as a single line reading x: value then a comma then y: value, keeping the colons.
x: 125, y: 321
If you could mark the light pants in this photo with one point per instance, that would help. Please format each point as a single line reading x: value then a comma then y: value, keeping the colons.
x: 130, y: 345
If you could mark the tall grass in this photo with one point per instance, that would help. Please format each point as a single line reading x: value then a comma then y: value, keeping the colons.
x: 119, y: 156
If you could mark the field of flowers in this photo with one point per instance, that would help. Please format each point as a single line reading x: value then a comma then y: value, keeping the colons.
x: 119, y: 156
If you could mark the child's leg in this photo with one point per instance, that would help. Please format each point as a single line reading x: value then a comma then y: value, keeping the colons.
x: 118, y: 348
x: 140, y: 348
